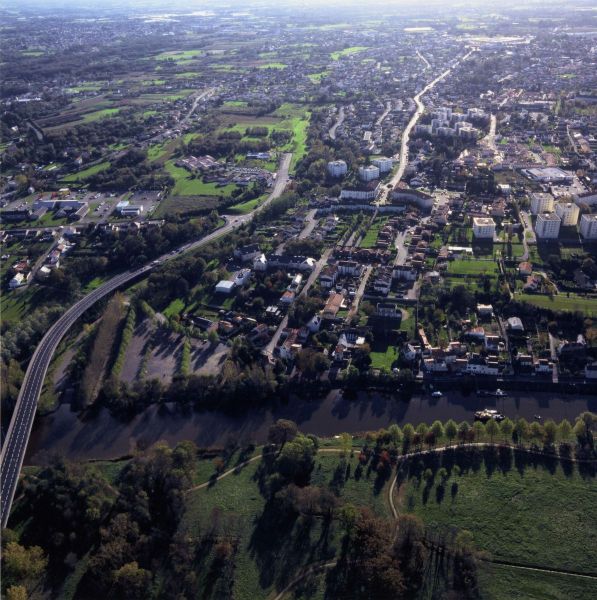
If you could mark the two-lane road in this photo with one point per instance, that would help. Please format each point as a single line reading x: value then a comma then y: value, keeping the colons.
x: 19, y: 430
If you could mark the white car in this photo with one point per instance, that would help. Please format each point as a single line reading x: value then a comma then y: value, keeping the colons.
x: 436, y: 394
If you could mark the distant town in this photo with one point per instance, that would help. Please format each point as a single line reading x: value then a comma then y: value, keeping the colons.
x: 230, y: 211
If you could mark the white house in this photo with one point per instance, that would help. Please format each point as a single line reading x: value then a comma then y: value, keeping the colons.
x: 19, y: 280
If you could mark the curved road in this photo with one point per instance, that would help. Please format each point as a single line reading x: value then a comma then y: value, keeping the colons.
x: 402, y: 156
x: 339, y: 121
x: 19, y: 430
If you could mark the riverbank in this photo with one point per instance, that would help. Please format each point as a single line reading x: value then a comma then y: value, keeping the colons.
x: 104, y: 436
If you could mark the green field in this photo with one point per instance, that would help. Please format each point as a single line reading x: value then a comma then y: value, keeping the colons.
x: 472, y: 267
x: 100, y: 114
x: 561, y: 302
x: 317, y: 77
x: 383, y: 357
x: 187, y: 185
x: 242, y: 208
x: 273, y: 65
x: 80, y: 175
x: 180, y: 56
x: 347, y: 52
x: 267, y: 553
x: 525, y: 514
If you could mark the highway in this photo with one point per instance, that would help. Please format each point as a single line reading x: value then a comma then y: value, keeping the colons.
x: 19, y: 430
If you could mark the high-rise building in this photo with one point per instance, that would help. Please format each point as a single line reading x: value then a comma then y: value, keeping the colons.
x: 483, y: 228
x: 541, y: 203
x: 547, y: 226
x: 369, y: 173
x: 568, y: 212
x: 588, y: 227
x: 337, y: 168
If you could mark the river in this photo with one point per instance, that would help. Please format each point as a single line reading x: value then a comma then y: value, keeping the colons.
x: 105, y: 437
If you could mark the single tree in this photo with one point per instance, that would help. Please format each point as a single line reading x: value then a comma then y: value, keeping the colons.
x: 463, y: 430
x: 438, y: 430
x: 492, y: 429
x: 564, y: 430
x: 551, y: 432
x: 507, y: 427
x: 282, y: 431
x: 522, y: 430
x: 451, y: 430
x: 479, y: 430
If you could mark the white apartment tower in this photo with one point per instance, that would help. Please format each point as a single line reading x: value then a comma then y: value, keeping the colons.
x: 568, y: 212
x: 483, y: 228
x: 588, y: 227
x: 541, y: 203
x: 368, y: 173
x: 383, y: 164
x: 337, y: 168
x: 547, y: 226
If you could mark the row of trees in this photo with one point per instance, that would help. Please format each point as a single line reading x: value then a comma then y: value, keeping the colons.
x: 507, y: 431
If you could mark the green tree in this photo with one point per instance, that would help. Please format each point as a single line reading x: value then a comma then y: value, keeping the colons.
x: 564, y: 429
x: 23, y: 566
x: 522, y: 430
x: 536, y: 432
x: 551, y: 432
x: 507, y: 427
x: 422, y: 429
x: 395, y: 434
x: 16, y: 592
x: 479, y: 430
x: 451, y: 430
x: 282, y: 431
x: 438, y: 430
x: 408, y: 431
x: 492, y: 429
x: 463, y: 430
x: 132, y: 582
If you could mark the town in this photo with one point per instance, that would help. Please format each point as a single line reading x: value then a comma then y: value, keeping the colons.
x: 243, y: 214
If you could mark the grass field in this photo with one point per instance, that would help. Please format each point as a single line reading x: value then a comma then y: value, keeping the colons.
x: 184, y: 205
x: 100, y: 114
x: 528, y: 515
x: 80, y: 175
x: 370, y: 238
x: 180, y: 56
x: 561, y: 302
x: 273, y: 65
x: 347, y: 52
x: 317, y: 77
x: 187, y: 185
x: 245, y: 207
x: 269, y: 554
x: 472, y: 267
x: 383, y: 357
